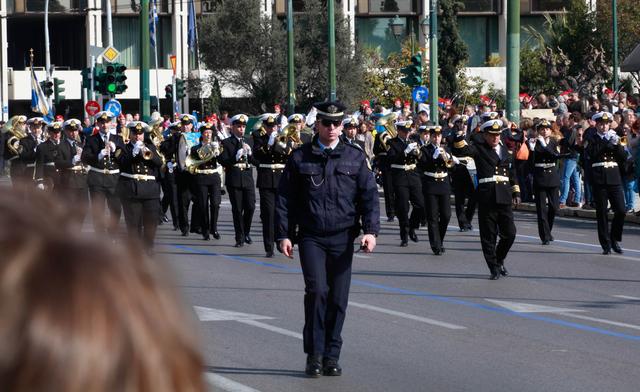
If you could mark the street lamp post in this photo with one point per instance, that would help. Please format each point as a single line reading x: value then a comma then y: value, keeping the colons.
x: 290, y: 59
x: 332, y: 50
x: 513, y: 61
x: 396, y: 26
x: 614, y: 21
x: 433, y: 60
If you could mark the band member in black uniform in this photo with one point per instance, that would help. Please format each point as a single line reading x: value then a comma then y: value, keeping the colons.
x: 434, y: 164
x: 271, y: 152
x: 605, y: 155
x: 183, y: 177
x: 546, y: 181
x: 326, y: 172
x: 169, y: 149
x: 304, y: 134
x: 237, y: 158
x: 402, y: 157
x: 139, y: 187
x: 21, y: 152
x: 463, y: 175
x: 497, y: 190
x: 47, y: 176
x: 380, y: 147
x: 207, y: 182
x: 350, y: 130
x: 100, y: 154
x: 73, y: 176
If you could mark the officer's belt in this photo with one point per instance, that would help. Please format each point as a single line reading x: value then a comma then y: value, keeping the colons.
x: 13, y: 157
x: 605, y: 164
x: 76, y: 168
x: 31, y: 165
x: 104, y: 171
x: 50, y: 164
x: 436, y: 175
x: 493, y: 179
x: 545, y: 165
x: 138, y: 177
x: 272, y: 166
x: 217, y: 170
x: 242, y: 165
x: 404, y: 167
x: 382, y: 154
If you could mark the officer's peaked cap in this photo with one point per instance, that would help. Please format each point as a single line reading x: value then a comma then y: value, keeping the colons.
x: 492, y: 126
x: 331, y: 110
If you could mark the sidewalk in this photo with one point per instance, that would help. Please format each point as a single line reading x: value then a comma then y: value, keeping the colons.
x: 569, y: 212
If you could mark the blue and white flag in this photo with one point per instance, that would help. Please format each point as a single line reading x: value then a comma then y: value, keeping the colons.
x: 38, y: 99
x: 191, y: 26
x: 153, y: 22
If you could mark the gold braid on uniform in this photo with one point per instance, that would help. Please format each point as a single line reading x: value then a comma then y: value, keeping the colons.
x: 515, y: 189
x: 460, y: 144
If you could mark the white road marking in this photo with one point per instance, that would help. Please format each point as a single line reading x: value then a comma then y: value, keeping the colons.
x: 531, y: 308
x: 362, y: 256
x: 209, y: 314
x: 271, y: 328
x: 627, y: 297
x: 407, y: 316
x: 217, y: 381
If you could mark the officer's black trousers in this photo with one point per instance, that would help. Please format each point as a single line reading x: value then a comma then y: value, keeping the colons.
x: 438, y: 215
x: 389, y: 194
x: 183, y: 185
x: 407, y: 195
x: 267, y: 216
x: 614, y: 195
x: 208, y: 201
x: 547, y: 205
x: 243, y: 204
x: 464, y: 192
x: 494, y: 220
x: 326, y: 266
x: 141, y: 217
x: 100, y: 196
x: 170, y: 197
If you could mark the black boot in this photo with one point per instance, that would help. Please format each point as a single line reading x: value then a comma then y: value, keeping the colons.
x: 314, y: 366
x: 331, y: 367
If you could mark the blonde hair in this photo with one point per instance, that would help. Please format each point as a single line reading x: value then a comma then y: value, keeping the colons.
x: 78, y: 314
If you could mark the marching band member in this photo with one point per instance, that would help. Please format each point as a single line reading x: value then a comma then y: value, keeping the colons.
x: 73, y: 176
x: 169, y: 149
x: 464, y: 176
x: 47, y: 176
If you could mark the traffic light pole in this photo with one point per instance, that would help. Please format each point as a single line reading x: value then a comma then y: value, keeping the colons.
x: 433, y: 60
x: 332, y: 50
x: 46, y: 49
x: 290, y: 60
x: 145, y: 99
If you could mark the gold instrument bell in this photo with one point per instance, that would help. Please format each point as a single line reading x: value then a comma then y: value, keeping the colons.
x: 390, y: 131
x: 16, y: 128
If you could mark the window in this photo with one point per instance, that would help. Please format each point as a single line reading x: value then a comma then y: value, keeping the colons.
x: 480, y: 33
x: 547, y: 5
x: 56, y: 5
x: 481, y: 6
x: 375, y: 33
x: 393, y: 6
x: 210, y: 6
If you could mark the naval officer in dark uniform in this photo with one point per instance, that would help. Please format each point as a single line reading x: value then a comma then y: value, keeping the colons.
x: 47, y: 176
x: 328, y: 194
x: 73, y: 175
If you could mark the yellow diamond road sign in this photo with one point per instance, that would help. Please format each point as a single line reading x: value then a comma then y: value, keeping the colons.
x: 110, y: 54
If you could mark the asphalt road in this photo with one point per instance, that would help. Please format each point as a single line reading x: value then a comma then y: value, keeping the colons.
x: 567, y: 319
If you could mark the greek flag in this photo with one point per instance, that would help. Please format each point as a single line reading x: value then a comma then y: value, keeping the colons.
x: 38, y: 99
x: 192, y: 26
x: 153, y: 21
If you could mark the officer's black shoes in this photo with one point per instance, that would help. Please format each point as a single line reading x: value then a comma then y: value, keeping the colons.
x: 616, y: 247
x: 606, y: 251
x: 413, y: 236
x: 330, y: 367
x: 404, y: 244
x: 470, y: 228
x: 164, y: 218
x: 551, y: 238
x: 248, y: 240
x: 390, y: 219
x: 185, y: 233
x: 239, y: 244
x: 196, y: 230
x: 176, y: 228
x: 216, y: 235
x: 269, y: 254
x: 442, y: 249
x: 503, y: 271
x: 436, y: 251
x: 495, y: 274
x: 205, y: 236
x: 545, y: 242
x: 314, y: 366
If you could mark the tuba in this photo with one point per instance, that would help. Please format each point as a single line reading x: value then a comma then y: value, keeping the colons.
x: 16, y: 132
x: 387, y: 121
x: 206, y: 153
x: 290, y: 136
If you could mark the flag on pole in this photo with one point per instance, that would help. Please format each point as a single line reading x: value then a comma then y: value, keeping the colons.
x: 153, y: 21
x: 192, y: 26
x: 38, y: 99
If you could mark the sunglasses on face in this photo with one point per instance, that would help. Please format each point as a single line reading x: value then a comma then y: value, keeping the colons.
x: 328, y: 123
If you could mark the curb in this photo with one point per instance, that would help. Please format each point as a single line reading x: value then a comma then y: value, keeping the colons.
x: 571, y: 212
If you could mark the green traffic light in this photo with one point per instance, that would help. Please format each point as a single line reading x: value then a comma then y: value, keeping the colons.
x: 111, y: 87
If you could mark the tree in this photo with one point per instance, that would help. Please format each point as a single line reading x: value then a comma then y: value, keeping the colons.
x: 382, y: 79
x: 533, y: 73
x: 628, y: 26
x: 452, y: 51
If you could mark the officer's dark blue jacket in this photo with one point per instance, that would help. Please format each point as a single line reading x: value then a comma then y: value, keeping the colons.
x: 322, y: 193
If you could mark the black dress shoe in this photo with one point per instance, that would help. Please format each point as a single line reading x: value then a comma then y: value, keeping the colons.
x: 463, y: 229
x: 545, y: 242
x: 196, y: 230
x: 314, y: 366
x: 216, y: 235
x: 606, y: 251
x: 404, y: 244
x: 413, y: 236
x: 442, y: 250
x: 470, y: 228
x: 503, y: 271
x: 248, y: 240
x: 390, y: 219
x: 239, y: 244
x: 331, y: 367
x: 495, y: 274
x: 269, y: 254
x: 551, y: 238
x: 205, y: 236
x: 616, y: 247
x: 165, y: 218
x: 436, y: 251
x: 185, y: 233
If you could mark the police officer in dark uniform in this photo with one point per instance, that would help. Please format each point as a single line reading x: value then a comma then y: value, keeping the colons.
x: 47, y: 176
x: 100, y: 154
x: 546, y: 181
x: 402, y: 157
x: 270, y: 152
x: 380, y: 147
x: 328, y: 194
x: 497, y: 190
x: 434, y: 167
x: 463, y: 175
x: 169, y: 149
x: 237, y: 159
x: 138, y: 186
x: 73, y: 176
x: 605, y: 155
x: 207, y: 179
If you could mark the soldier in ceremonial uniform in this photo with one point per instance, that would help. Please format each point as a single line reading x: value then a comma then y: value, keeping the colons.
x: 350, y: 130
x: 139, y: 188
x: 169, y: 149
x: 497, y: 190
x: 327, y: 195
x: 434, y: 167
x: 73, y: 176
x: 183, y: 177
x: 100, y: 154
x: 270, y: 152
x: 304, y: 134
x: 463, y: 176
x: 605, y: 155
x: 402, y: 157
x: 237, y: 159
x: 207, y: 179
x: 380, y: 148
x: 20, y: 150
x: 47, y: 175
x: 546, y: 181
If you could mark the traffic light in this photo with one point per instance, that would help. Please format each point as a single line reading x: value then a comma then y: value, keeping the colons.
x: 413, y: 71
x: 86, y: 78
x: 168, y: 92
x: 121, y: 85
x: 58, y: 90
x: 99, y: 80
x: 110, y: 79
x: 180, y: 93
x: 47, y: 87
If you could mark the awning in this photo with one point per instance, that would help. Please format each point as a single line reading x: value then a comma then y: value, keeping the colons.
x: 632, y: 62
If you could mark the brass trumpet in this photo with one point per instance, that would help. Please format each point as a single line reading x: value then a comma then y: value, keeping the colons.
x: 290, y: 134
x: 146, y: 153
x: 390, y: 131
x: 15, y: 127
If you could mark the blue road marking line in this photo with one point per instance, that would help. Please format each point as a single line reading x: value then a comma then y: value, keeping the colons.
x: 358, y: 282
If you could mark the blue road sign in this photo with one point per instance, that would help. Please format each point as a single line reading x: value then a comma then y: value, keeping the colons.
x: 420, y: 94
x: 114, y: 107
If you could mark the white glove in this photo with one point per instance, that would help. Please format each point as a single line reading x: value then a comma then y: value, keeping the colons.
x: 282, y: 145
x: 436, y: 153
x: 541, y: 141
x: 40, y: 186
x: 410, y: 147
x: 215, y: 145
x: 272, y: 138
x: 240, y: 154
x: 75, y: 159
x: 247, y: 148
x: 455, y: 159
x: 103, y: 153
x: 532, y: 144
x: 112, y: 145
x: 136, y: 150
x: 615, y: 139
